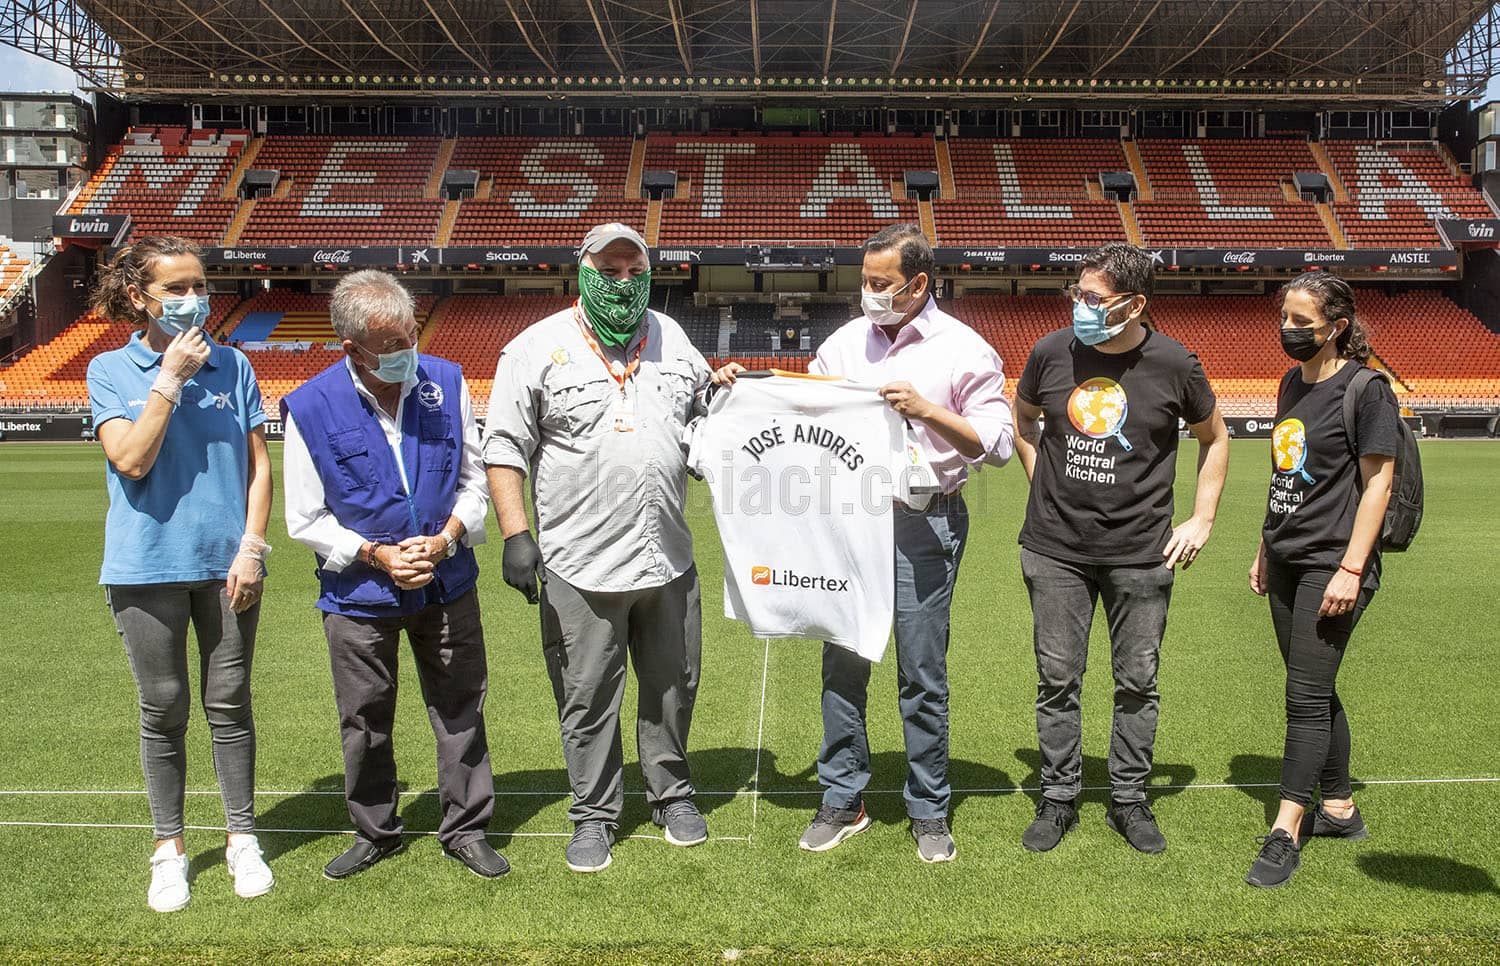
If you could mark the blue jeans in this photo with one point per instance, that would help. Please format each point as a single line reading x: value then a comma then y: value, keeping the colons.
x: 929, y: 546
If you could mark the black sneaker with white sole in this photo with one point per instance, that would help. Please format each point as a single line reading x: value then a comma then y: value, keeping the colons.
x: 589, y: 848
x: 1320, y: 824
x: 1054, y: 819
x: 831, y: 826
x: 1279, y: 858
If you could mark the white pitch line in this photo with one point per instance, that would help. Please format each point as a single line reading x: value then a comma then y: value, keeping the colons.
x: 755, y: 793
x: 334, y: 831
x: 760, y: 733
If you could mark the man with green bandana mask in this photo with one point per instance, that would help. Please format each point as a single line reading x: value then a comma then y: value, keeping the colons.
x: 614, y: 307
x: 592, y: 403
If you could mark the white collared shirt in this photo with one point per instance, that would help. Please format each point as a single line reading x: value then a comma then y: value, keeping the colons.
x: 312, y: 524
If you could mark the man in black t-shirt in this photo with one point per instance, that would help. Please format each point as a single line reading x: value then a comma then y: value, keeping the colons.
x: 1110, y: 394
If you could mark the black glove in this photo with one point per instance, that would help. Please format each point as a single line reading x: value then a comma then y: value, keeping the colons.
x: 522, y: 564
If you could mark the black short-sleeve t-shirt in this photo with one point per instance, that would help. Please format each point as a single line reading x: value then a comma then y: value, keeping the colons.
x: 1106, y: 462
x: 1315, y: 479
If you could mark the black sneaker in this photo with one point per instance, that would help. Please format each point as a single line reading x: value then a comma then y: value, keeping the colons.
x: 360, y: 856
x: 480, y: 858
x: 1319, y: 823
x: 1278, y: 859
x: 1053, y: 820
x: 1134, y: 821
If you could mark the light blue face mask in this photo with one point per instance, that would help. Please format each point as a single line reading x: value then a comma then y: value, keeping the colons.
x: 396, y: 367
x: 181, y: 312
x: 1091, y: 326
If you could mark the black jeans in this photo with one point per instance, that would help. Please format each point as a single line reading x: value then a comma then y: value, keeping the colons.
x: 1312, y: 647
x: 1064, y: 596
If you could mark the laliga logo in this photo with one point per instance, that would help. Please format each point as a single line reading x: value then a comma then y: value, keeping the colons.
x: 1239, y: 258
x: 339, y: 256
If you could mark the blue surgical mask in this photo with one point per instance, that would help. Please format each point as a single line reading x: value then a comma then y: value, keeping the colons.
x: 396, y: 367
x: 1091, y: 326
x: 181, y: 312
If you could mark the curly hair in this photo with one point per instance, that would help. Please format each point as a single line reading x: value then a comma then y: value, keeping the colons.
x: 135, y: 264
x: 1335, y: 300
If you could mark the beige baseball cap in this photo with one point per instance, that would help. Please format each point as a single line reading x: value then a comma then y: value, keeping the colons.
x: 601, y: 236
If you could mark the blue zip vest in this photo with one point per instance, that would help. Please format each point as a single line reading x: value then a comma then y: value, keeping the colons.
x: 362, y: 484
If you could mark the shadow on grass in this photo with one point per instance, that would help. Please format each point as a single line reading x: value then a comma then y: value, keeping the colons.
x: 1430, y: 873
x: 1259, y: 776
x: 883, y: 797
x: 1166, y: 778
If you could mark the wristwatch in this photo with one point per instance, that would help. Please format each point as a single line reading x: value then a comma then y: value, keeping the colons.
x: 452, y: 544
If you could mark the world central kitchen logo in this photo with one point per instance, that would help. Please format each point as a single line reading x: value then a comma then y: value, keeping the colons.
x: 767, y: 577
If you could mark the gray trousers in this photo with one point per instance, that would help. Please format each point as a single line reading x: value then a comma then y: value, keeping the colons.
x: 1063, y: 598
x: 929, y: 546
x: 153, y: 623
x: 585, y: 638
x: 447, y: 641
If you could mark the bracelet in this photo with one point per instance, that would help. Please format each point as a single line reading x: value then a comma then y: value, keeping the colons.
x: 1351, y: 570
x: 370, y: 559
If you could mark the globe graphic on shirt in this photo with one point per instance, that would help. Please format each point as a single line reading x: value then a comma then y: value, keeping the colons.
x: 1289, y: 445
x: 1097, y: 408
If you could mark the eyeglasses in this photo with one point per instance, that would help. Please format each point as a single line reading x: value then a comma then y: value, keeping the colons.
x: 1091, y: 299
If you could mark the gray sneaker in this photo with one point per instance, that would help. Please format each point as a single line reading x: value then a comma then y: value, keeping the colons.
x: 934, y: 841
x: 831, y: 826
x: 588, y: 850
x: 683, y: 823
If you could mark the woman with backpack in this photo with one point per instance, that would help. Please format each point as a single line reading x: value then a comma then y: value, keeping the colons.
x: 1319, y: 555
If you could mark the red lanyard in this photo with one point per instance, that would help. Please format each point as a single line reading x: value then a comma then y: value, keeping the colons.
x: 616, y: 372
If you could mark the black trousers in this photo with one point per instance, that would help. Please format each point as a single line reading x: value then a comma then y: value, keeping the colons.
x: 447, y: 641
x: 1312, y: 648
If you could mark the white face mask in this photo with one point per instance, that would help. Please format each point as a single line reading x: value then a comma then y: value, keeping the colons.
x: 877, y: 306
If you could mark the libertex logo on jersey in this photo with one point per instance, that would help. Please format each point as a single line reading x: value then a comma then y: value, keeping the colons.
x: 767, y: 577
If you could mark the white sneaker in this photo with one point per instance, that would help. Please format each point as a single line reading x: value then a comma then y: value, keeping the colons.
x: 252, y: 877
x: 169, y: 885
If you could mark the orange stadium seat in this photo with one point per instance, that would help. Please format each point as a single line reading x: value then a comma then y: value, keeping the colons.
x: 784, y: 190
x: 1396, y: 190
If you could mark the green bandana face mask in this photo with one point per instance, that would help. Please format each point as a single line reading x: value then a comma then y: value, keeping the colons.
x: 613, y: 306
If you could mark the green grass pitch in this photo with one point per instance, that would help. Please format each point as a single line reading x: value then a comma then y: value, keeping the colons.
x: 1419, y: 681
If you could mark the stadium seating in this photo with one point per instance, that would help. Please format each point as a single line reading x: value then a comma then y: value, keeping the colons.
x: 338, y: 192
x: 1031, y: 192
x: 167, y: 187
x: 541, y: 190
x: 1396, y: 190
x: 52, y: 375
x: 472, y: 329
x: 12, y: 272
x: 1444, y: 353
x: 1227, y: 194
x: 783, y: 190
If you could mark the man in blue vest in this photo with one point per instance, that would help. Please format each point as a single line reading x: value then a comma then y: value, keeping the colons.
x: 385, y: 484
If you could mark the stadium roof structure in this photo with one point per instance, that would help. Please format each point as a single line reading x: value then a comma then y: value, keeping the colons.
x: 1431, y: 51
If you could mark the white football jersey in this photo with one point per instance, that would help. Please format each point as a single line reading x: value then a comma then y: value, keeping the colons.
x: 803, y: 471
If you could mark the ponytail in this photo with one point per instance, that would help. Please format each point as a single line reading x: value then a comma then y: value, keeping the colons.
x: 1335, y: 298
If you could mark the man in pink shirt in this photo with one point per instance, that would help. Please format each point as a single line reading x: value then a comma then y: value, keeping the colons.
x: 947, y: 382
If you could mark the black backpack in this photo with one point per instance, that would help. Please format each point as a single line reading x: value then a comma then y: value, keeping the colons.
x: 1403, y: 515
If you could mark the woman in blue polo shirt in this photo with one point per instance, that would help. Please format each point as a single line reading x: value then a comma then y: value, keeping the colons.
x: 189, y: 481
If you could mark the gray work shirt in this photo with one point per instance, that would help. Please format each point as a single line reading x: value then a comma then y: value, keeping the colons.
x: 609, y: 504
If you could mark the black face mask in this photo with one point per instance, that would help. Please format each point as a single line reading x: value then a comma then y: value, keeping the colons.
x: 1301, y: 344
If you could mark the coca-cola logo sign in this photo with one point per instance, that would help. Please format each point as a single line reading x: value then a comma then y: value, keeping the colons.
x: 1239, y: 258
x: 336, y: 256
